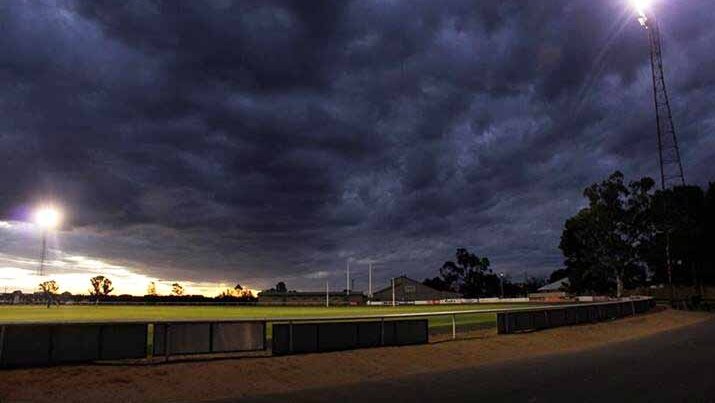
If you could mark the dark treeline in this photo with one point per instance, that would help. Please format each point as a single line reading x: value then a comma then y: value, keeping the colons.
x: 619, y: 240
x: 471, y: 276
x: 149, y: 299
x: 101, y: 289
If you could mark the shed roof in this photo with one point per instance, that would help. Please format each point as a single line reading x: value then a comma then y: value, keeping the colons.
x: 556, y: 285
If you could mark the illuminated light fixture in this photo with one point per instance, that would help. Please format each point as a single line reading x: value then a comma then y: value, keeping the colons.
x: 642, y: 7
x: 48, y: 217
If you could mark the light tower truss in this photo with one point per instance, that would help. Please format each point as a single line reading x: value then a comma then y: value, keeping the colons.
x: 671, y: 167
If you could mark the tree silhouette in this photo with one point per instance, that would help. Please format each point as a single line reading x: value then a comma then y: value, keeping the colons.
x: 50, y: 288
x: 246, y: 294
x: 101, y: 286
x: 281, y: 287
x: 470, y: 274
x: 151, y: 289
x: 437, y: 283
x: 177, y: 290
x: 621, y: 236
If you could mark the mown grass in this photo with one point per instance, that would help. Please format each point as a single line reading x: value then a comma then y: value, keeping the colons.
x: 68, y: 313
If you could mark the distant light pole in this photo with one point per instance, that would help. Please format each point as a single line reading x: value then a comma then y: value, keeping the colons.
x: 369, y: 281
x: 393, y: 291
x: 347, y: 274
x: 47, y: 218
x: 327, y: 295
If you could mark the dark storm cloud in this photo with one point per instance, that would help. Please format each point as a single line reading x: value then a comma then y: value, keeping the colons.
x: 266, y: 139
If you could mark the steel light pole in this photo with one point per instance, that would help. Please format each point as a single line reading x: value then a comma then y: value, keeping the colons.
x: 671, y: 166
x: 47, y: 218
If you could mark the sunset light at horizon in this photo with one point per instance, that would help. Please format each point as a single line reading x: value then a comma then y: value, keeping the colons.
x: 72, y: 271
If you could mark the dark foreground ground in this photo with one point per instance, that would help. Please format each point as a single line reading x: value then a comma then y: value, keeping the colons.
x: 673, y: 366
x: 665, y: 355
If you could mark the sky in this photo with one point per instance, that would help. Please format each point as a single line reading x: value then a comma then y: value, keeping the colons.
x: 223, y: 142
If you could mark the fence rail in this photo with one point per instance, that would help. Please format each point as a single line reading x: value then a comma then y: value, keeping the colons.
x: 42, y: 344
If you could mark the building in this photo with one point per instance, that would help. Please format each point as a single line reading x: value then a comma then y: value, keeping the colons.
x: 18, y: 297
x: 552, y: 292
x: 559, y: 285
x: 409, y: 290
x: 309, y: 298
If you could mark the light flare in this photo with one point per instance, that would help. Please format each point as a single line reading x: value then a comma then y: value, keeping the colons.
x: 48, y: 217
x: 642, y: 8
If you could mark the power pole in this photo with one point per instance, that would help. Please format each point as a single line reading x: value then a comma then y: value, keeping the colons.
x: 671, y: 167
x: 369, y: 280
x: 327, y: 295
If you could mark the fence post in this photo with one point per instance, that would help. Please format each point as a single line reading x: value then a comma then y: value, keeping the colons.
x: 211, y: 337
x: 166, y: 342
x: 546, y: 318
x: 382, y: 331
x: 51, y: 344
x: 633, y: 308
x: 265, y: 336
x: 2, y: 343
x: 290, y: 336
x: 100, y: 344
x: 454, y: 327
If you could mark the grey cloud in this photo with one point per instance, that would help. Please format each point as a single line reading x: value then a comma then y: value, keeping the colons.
x: 275, y: 139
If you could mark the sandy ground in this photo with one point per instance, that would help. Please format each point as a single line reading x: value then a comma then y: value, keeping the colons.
x: 235, y: 378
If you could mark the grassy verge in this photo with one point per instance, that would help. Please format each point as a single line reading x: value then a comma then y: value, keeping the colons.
x: 10, y: 313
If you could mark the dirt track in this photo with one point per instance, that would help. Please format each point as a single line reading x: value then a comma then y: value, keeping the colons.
x: 237, y: 378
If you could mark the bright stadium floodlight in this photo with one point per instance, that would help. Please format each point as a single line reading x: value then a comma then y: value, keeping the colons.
x: 642, y: 7
x: 48, y: 217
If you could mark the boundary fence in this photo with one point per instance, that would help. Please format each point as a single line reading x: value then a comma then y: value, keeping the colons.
x: 43, y: 344
x: 47, y: 344
x: 453, y: 301
x: 513, y: 322
x: 289, y: 338
x: 208, y: 337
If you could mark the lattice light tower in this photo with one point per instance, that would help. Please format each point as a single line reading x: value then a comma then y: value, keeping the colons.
x: 47, y: 218
x: 671, y: 168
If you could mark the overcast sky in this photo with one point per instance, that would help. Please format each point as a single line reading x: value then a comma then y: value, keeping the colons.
x: 258, y: 141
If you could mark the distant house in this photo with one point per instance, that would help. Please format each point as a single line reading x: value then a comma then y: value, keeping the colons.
x: 18, y: 297
x: 555, y: 291
x: 407, y: 290
x: 559, y: 285
x: 272, y: 297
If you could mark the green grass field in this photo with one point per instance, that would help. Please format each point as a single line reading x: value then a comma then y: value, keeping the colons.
x: 66, y: 313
